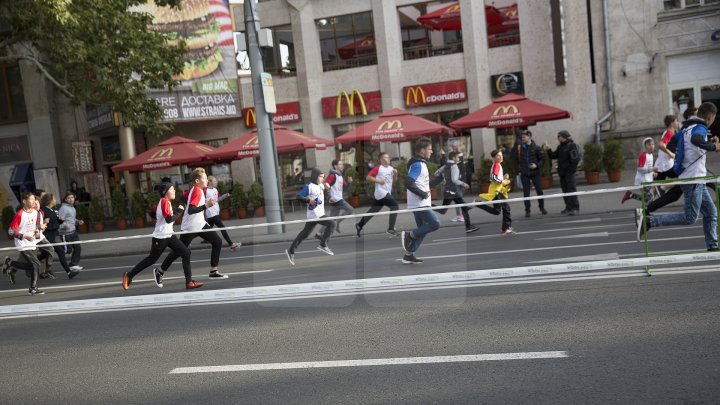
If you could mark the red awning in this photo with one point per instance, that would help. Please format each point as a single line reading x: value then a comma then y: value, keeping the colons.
x: 510, y: 110
x: 448, y: 18
x: 395, y: 125
x: 172, y: 152
x: 357, y: 49
x: 286, y: 141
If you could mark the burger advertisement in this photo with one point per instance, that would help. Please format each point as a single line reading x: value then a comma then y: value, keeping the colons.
x: 208, y: 87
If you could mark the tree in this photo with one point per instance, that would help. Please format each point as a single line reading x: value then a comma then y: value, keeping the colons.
x: 97, y: 52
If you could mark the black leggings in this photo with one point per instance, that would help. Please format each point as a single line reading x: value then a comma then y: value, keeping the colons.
x: 29, y: 262
x: 186, y: 238
x: 465, y: 214
x: 496, y: 209
x: 309, y: 226
x: 51, y: 236
x: 156, y: 249
x: 216, y: 221
x: 377, y: 205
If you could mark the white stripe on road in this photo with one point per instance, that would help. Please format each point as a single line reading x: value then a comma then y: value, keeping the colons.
x: 580, y: 221
x: 584, y: 235
x: 603, y: 256
x: 372, y: 362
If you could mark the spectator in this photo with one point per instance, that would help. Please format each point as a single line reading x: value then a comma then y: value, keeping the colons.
x: 529, y: 160
x: 568, y: 156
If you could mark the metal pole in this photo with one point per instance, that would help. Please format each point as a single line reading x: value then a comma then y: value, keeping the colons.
x: 273, y: 212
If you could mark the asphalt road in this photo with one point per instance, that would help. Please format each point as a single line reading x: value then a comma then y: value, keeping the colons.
x: 623, y: 339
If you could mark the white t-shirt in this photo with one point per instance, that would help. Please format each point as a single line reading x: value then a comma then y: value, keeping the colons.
x: 644, y: 171
x: 163, y: 230
x: 316, y: 191
x: 664, y: 162
x: 418, y: 171
x: 24, y: 224
x: 215, y: 209
x: 194, y: 222
x: 386, y: 173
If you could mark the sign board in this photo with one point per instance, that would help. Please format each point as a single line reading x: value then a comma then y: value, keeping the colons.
x: 286, y: 113
x: 83, y: 157
x: 507, y: 83
x: 351, y: 103
x: 268, y: 92
x: 14, y: 149
x: 435, y: 93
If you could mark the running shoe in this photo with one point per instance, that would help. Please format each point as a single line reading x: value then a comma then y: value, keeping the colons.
x: 290, y: 256
x: 192, y: 284
x: 51, y: 275
x: 407, y: 239
x: 358, y: 230
x: 411, y: 259
x: 158, y: 277
x: 471, y: 229
x: 392, y: 232
x: 76, y: 267
x: 6, y: 264
x: 234, y: 246
x: 72, y: 273
x: 454, y: 219
x: 508, y: 231
x: 126, y: 281
x: 527, y: 214
x: 638, y: 215
x: 460, y: 218
x: 35, y: 291
x: 325, y: 250
x: 543, y: 211
x: 216, y: 275
x: 626, y: 196
x: 641, y: 231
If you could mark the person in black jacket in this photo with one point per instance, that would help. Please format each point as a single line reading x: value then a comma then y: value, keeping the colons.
x: 568, y: 156
x: 529, y: 160
x: 47, y: 205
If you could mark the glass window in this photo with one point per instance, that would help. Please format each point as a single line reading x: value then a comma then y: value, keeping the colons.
x: 12, y: 100
x: 347, y: 41
x: 424, y: 35
x: 680, y: 4
x: 503, y: 23
x: 682, y: 99
x: 220, y: 171
x: 280, y: 59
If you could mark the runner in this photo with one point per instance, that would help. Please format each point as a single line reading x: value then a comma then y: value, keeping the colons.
x: 212, y: 214
x: 498, y: 191
x: 383, y: 175
x: 24, y: 230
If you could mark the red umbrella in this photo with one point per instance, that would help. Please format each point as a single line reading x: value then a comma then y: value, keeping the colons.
x: 172, y: 152
x: 358, y: 48
x: 286, y: 141
x: 448, y: 18
x: 510, y: 110
x: 395, y: 125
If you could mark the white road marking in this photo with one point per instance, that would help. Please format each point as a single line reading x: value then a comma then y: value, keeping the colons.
x: 584, y: 235
x: 603, y: 256
x: 580, y: 221
x: 372, y: 362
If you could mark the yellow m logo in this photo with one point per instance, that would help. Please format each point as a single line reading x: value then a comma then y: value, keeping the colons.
x: 351, y: 103
x: 162, y: 153
x: 250, y: 118
x: 505, y: 109
x: 415, y: 92
x: 394, y: 124
x: 204, y: 148
x: 452, y: 9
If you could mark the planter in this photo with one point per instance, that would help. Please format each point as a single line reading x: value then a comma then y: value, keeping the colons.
x: 83, y: 228
x: 614, y: 176
x: 434, y: 194
x: 225, y: 214
x: 546, y: 182
x: 98, y: 226
x: 592, y: 177
x: 484, y: 188
x: 354, y: 201
x: 121, y: 224
x: 242, y: 213
x: 259, y: 212
x: 139, y: 222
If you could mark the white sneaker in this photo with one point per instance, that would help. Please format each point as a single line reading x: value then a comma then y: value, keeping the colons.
x: 454, y: 219
x: 325, y: 250
x: 76, y: 267
x: 217, y: 275
x: 234, y: 246
x: 460, y: 219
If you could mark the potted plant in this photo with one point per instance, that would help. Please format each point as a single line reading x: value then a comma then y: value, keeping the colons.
x: 257, y: 199
x: 546, y: 171
x: 613, y: 159
x: 138, y: 206
x: 355, y: 187
x: 508, y: 166
x: 432, y: 168
x: 483, y: 174
x: 239, y: 200
x: 153, y: 199
x: 97, y: 214
x: 81, y: 214
x: 224, y: 204
x: 402, y: 170
x: 592, y: 162
x: 119, y: 208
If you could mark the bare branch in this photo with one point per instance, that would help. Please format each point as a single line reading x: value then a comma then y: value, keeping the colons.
x: 42, y: 69
x: 9, y: 41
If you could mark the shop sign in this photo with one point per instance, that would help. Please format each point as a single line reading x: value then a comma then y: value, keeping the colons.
x: 286, y: 113
x: 507, y: 83
x: 83, y: 157
x: 351, y: 104
x: 14, y: 149
x: 435, y: 93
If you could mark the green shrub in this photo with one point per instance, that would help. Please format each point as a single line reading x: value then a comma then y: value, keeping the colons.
x: 483, y: 172
x: 153, y: 199
x: 239, y: 198
x: 546, y: 169
x: 402, y: 171
x: 82, y: 212
x: 592, y: 157
x: 96, y: 211
x: 8, y: 213
x: 356, y: 186
x: 222, y: 189
x: 613, y: 158
x: 256, y: 195
x: 138, y: 205
x: 118, y: 204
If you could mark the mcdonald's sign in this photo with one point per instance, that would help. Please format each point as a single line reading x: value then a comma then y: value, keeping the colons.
x: 510, y: 109
x: 415, y: 92
x: 250, y: 118
x: 286, y: 113
x: 165, y: 152
x: 351, y: 104
x: 435, y: 93
x: 390, y: 125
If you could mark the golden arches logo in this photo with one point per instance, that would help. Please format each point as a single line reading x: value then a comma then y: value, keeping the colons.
x: 250, y: 118
x: 204, y: 148
x: 452, y: 9
x: 350, y: 102
x: 416, y: 92
x: 162, y: 153
x: 394, y: 124
x: 505, y: 109
x: 252, y: 141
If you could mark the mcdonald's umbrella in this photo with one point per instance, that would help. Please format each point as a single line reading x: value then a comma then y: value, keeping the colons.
x: 172, y: 152
x: 357, y: 48
x: 510, y: 110
x: 448, y: 18
x: 286, y: 141
x: 395, y: 125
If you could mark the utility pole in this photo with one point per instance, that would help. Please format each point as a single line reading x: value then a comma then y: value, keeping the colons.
x: 268, y: 157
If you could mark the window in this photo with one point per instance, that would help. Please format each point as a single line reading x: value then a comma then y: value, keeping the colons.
x: 12, y: 100
x: 430, y: 29
x: 347, y: 41
x: 280, y: 59
x: 680, y: 4
x: 503, y: 23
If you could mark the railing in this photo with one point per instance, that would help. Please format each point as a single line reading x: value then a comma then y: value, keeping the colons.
x: 350, y: 63
x: 282, y: 72
x: 424, y: 51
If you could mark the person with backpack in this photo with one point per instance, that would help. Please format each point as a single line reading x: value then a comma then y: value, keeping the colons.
x: 568, y: 155
x: 529, y: 160
x: 455, y: 188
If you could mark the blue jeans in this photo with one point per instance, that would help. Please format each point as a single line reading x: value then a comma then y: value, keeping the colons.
x: 427, y: 221
x: 697, y: 201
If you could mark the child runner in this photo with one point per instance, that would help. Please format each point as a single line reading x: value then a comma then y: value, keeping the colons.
x: 45, y: 252
x: 193, y: 221
x: 312, y: 193
x: 645, y: 171
x: 498, y: 190
x: 24, y: 230
x: 47, y: 204
x: 212, y: 214
x: 383, y: 175
x: 455, y: 188
x: 162, y: 238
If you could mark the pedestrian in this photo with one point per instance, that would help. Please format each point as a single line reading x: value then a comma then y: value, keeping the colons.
x: 645, y: 172
x: 313, y: 194
x: 418, y: 185
x: 68, y: 229
x: 568, y: 156
x: 212, y: 214
x: 469, y: 171
x: 529, y: 160
x: 336, y: 184
x: 461, y: 167
x: 52, y: 232
x: 163, y: 236
x: 455, y: 188
x: 498, y: 191
x: 193, y: 221
x: 24, y: 230
x: 383, y: 175
x: 694, y: 142
x: 44, y: 251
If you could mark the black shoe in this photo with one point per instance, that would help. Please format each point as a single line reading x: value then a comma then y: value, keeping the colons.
x: 358, y: 229
x: 641, y: 231
x: 527, y: 214
x: 471, y: 229
x: 411, y: 259
x: 407, y: 240
x: 158, y: 277
x: 572, y: 213
x: 337, y: 229
x: 6, y: 264
x: 565, y: 211
x: 713, y: 249
x: 290, y: 256
x: 72, y: 273
x: 35, y: 291
x: 392, y: 232
x: 543, y: 211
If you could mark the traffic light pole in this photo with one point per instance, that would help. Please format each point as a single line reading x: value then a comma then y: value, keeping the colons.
x: 268, y: 157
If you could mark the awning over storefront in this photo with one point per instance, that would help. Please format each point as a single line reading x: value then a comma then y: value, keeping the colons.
x: 511, y: 110
x: 395, y: 125
x: 286, y: 141
x: 175, y: 151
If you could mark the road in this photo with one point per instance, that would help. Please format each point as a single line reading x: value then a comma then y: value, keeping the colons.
x: 617, y: 337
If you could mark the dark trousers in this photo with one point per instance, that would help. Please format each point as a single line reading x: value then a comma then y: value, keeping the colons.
x: 377, y: 205
x: 567, y: 185
x: 52, y: 237
x: 186, y: 238
x: 72, y: 237
x: 156, y: 249
x: 216, y: 221
x: 668, y: 174
x: 45, y: 253
x: 465, y: 213
x: 499, y: 208
x: 669, y: 197
x: 535, y: 180
x: 308, y: 228
x: 29, y: 262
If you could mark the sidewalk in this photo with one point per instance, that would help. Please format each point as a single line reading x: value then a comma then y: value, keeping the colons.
x: 599, y: 203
